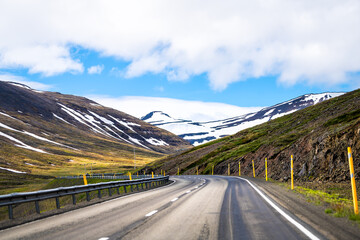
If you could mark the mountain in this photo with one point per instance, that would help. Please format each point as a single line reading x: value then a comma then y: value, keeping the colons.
x: 201, y: 132
x: 52, y: 132
x: 317, y: 136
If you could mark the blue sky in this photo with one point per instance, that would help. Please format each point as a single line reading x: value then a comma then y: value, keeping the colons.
x: 233, y: 52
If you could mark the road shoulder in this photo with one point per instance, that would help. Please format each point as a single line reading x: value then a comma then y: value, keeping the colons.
x: 315, y: 216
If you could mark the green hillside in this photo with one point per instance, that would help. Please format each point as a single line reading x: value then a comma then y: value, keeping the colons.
x: 317, y: 136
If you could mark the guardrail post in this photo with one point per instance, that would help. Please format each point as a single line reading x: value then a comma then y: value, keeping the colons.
x: 88, y: 196
x: 10, y: 209
x: 137, y: 187
x: 118, y: 191
x: 110, y: 192
x: 74, y: 198
x: 131, y: 188
x: 57, y: 203
x: 37, y: 207
x: 99, y: 193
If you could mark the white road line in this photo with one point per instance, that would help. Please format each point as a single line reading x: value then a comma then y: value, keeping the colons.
x: 173, y: 200
x: 188, y: 191
x: 196, y: 187
x: 151, y: 213
x: 286, y: 216
x: 104, y: 238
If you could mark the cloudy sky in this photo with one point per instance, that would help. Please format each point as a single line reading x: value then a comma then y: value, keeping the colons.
x: 243, y: 53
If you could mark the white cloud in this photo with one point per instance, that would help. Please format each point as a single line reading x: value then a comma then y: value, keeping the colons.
x: 232, y: 40
x: 95, y: 69
x: 182, y: 109
x: 34, y: 85
x: 48, y: 60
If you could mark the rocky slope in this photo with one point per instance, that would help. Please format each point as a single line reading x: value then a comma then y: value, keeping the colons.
x: 45, y: 131
x: 317, y: 136
x: 201, y: 132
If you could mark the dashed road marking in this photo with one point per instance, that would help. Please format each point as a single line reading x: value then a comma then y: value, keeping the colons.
x: 174, y: 199
x: 151, y: 213
x: 104, y: 238
x: 188, y: 191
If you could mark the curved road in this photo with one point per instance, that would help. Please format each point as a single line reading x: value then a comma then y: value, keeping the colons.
x: 193, y: 207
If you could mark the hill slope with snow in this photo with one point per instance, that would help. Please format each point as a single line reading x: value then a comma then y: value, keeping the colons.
x: 201, y: 132
x: 46, y: 129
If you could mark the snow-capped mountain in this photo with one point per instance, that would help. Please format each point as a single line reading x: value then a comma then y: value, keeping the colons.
x: 39, y: 121
x: 201, y: 132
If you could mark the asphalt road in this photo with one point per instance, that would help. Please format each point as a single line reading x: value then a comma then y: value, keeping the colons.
x: 194, y: 207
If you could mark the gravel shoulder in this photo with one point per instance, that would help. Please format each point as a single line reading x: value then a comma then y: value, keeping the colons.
x: 315, y: 216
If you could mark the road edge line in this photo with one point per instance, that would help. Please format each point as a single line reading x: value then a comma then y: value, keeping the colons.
x: 285, y: 215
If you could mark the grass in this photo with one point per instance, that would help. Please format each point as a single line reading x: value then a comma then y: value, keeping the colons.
x: 337, y: 205
x: 330, y: 122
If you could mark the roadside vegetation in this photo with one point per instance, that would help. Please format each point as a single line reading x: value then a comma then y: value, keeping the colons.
x: 335, y: 198
x: 335, y: 204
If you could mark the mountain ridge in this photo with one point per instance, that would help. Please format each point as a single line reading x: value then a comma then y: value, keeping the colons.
x: 317, y: 137
x: 201, y: 132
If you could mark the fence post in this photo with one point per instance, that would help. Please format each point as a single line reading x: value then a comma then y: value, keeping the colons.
x: 239, y: 169
x: 352, y: 178
x: 228, y: 169
x: 152, y: 174
x: 292, y: 172
x: 212, y: 170
x: 74, y: 199
x: 85, y: 181
x: 266, y: 169
x: 253, y: 167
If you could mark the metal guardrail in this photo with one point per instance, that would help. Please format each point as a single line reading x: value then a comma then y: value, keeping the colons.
x: 107, y: 176
x: 18, y: 198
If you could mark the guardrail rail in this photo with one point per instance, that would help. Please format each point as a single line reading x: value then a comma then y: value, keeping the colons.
x: 17, y: 198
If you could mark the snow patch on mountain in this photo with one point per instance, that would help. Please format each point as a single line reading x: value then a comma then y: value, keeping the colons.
x: 20, y: 143
x: 201, y: 132
x: 11, y: 170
